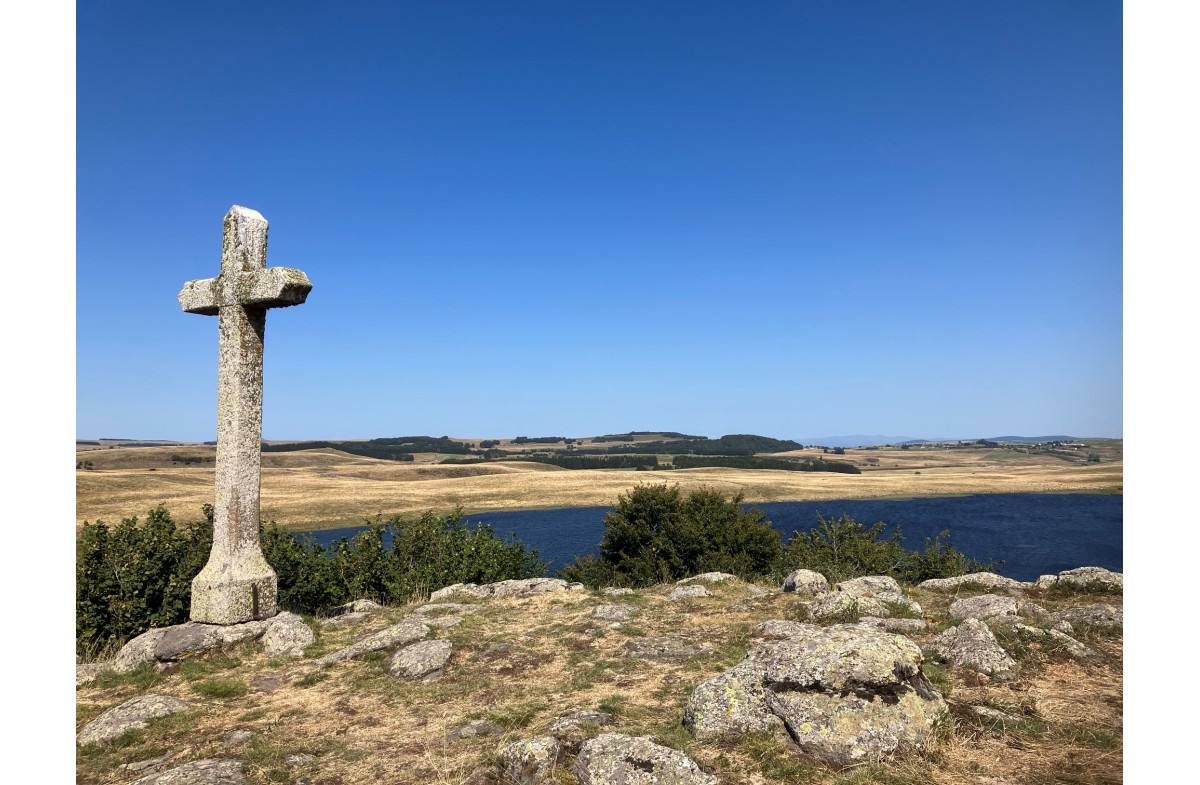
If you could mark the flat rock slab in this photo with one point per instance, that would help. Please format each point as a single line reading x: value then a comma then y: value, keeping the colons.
x: 424, y: 660
x: 131, y: 714
x: 188, y: 640
x: 688, y: 593
x: 616, y: 592
x: 619, y: 612
x: 805, y: 582
x: 985, y: 606
x: 971, y: 644
x: 406, y: 632
x: 532, y: 761
x: 477, y: 729
x: 210, y: 771
x: 356, y: 606
x: 345, y: 619
x: 659, y: 649
x: 238, y: 736
x: 778, y: 629
x: 617, y: 759
x: 527, y: 587
x: 1082, y: 576
x: 837, y: 606
x: 444, y: 622
x: 708, y: 577
x: 988, y: 579
x: 1091, y: 614
x: 871, y: 586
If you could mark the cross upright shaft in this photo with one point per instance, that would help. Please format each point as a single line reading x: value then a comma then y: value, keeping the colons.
x: 237, y: 584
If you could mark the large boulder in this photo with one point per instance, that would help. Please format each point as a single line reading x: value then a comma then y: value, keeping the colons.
x: 617, y: 759
x: 131, y: 714
x: 88, y: 672
x: 193, y: 638
x: 985, y: 606
x: 210, y: 771
x: 805, y: 582
x: 987, y: 579
x: 1084, y: 576
x: 847, y: 694
x: 871, y: 586
x: 531, y: 761
x: 406, y: 632
x: 424, y: 660
x: 838, y: 605
x: 972, y: 645
x: 354, y: 606
x: 286, y: 634
x: 139, y: 650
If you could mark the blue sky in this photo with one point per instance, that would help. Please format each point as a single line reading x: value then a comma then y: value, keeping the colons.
x: 793, y: 219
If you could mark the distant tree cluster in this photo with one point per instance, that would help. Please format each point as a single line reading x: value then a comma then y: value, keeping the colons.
x: 391, y: 449
x: 187, y: 460
x: 542, y: 440
x: 749, y: 462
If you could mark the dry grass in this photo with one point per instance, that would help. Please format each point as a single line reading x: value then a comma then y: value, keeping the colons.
x: 366, y: 727
x: 325, y: 488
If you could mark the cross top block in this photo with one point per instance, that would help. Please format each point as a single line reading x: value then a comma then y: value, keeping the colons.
x: 245, y: 278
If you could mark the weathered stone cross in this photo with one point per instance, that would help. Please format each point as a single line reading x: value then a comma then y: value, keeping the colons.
x: 237, y: 584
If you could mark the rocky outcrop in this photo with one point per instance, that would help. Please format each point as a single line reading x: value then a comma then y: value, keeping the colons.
x: 1084, y: 576
x: 707, y: 577
x: 847, y: 694
x: 477, y: 729
x: 805, y: 582
x: 871, y: 586
x: 86, y: 673
x: 837, y: 605
x: 989, y: 580
x: 616, y: 759
x: 424, y: 660
x: 985, y: 606
x: 527, y: 587
x: 906, y: 626
x: 139, y: 650
x: 658, y: 649
x: 617, y: 592
x: 688, y: 593
x: 356, y: 606
x: 449, y: 607
x: 406, y: 632
x: 131, y: 714
x: 618, y: 612
x: 778, y: 629
x: 531, y: 761
x: 579, y: 718
x: 972, y: 645
x: 210, y: 771
x: 1062, y: 640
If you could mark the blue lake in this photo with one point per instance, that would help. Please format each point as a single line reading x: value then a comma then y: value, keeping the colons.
x: 1034, y: 534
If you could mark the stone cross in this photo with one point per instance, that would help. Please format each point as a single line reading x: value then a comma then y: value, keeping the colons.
x: 237, y: 584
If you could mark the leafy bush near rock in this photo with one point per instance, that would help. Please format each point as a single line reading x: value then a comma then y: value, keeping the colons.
x: 134, y: 576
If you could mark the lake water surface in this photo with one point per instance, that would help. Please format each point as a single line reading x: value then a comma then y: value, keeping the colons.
x: 1033, y: 533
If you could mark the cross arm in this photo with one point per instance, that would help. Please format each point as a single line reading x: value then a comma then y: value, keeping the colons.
x: 274, y: 287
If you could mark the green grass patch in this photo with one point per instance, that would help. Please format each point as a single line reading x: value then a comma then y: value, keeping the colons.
x: 143, y: 677
x: 519, y: 715
x: 252, y: 715
x: 900, y: 610
x: 774, y: 760
x: 316, y: 677
x: 936, y: 673
x: 220, y: 688
x: 613, y: 704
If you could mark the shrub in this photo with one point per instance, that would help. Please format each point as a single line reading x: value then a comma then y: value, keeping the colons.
x: 842, y: 548
x: 654, y: 534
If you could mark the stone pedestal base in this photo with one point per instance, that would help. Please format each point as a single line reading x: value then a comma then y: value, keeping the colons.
x: 233, y: 599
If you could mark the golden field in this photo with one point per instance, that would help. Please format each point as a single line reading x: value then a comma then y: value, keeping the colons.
x: 315, y: 489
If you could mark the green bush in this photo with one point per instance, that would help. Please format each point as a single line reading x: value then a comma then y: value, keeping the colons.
x: 842, y: 548
x: 655, y: 535
x: 136, y: 576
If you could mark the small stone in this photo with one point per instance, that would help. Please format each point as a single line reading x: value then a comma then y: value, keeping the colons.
x: 657, y: 649
x: 424, y: 660
x: 477, y: 729
x: 616, y: 592
x: 995, y: 715
x: 531, y: 761
x: 298, y: 760
x: 497, y: 648
x: 688, y: 593
x: 738, y: 608
x: 1064, y: 627
x: 449, y: 607
x: 563, y: 724
x: 238, y: 736
x: 131, y: 714
x: 356, y: 606
x: 973, y: 645
x: 614, y: 612
x: 286, y: 634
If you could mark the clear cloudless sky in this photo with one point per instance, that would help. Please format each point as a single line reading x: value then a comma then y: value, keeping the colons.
x: 572, y: 218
